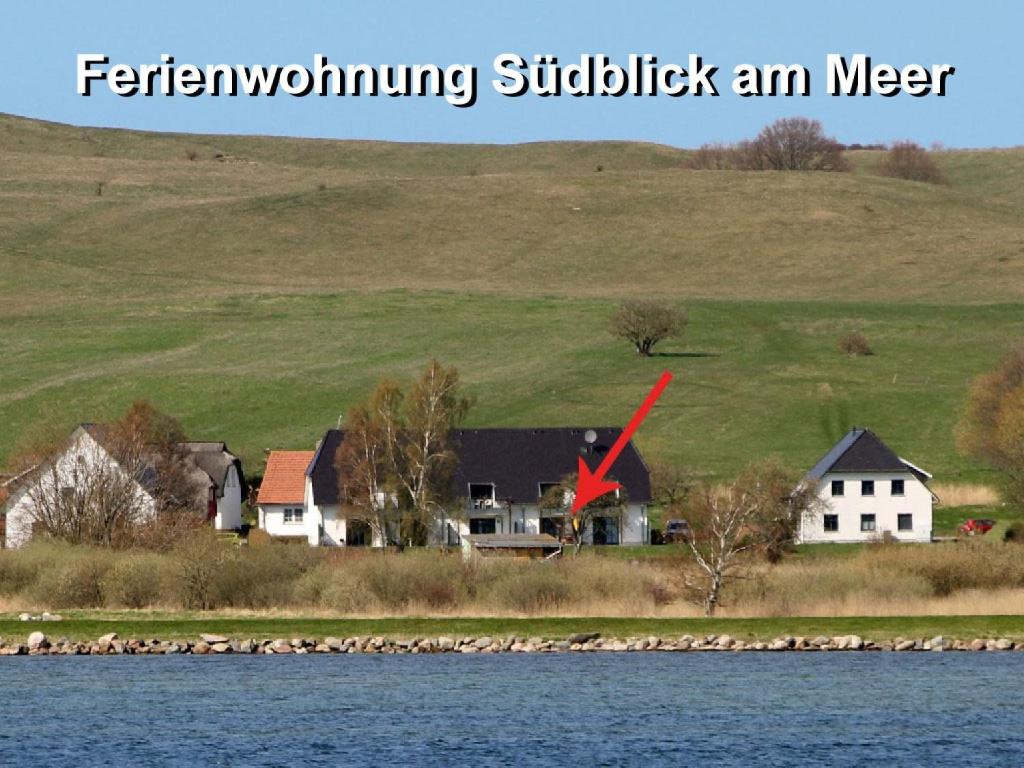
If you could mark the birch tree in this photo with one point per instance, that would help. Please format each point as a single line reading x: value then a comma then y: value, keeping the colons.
x: 759, y: 510
x: 398, y: 457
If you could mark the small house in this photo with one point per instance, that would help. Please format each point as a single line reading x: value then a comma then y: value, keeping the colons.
x: 281, y: 498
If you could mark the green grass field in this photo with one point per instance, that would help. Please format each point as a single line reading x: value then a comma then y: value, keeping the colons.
x: 260, y: 295
x: 189, y: 627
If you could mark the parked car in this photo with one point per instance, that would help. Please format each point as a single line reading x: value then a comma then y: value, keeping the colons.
x: 677, y: 531
x: 977, y: 526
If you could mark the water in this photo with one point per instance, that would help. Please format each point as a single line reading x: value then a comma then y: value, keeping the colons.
x: 843, y: 709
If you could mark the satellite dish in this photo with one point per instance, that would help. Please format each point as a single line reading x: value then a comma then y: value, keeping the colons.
x: 590, y: 436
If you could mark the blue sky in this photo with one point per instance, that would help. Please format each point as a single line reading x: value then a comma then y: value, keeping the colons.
x: 984, y: 106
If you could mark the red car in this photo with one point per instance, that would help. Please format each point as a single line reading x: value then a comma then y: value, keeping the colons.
x: 977, y: 526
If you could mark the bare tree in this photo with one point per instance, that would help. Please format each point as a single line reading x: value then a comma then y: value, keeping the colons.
x: 760, y: 509
x: 910, y: 161
x: 106, y: 482
x: 793, y: 144
x: 645, y: 323
x: 559, y: 499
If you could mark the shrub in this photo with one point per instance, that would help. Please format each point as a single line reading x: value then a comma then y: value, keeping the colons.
x: 854, y: 345
x: 77, y: 582
x: 527, y: 589
x: 199, y: 562
x: 911, y: 162
x: 136, y: 581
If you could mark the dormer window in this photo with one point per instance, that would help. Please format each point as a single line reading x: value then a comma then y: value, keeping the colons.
x: 543, y: 488
x: 481, y: 495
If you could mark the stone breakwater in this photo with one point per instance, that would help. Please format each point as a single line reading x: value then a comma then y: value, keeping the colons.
x: 38, y: 644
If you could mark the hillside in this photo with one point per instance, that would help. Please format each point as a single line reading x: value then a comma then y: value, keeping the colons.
x: 260, y: 293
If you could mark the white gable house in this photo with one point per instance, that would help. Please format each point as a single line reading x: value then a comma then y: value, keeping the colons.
x: 84, y: 462
x: 867, y: 492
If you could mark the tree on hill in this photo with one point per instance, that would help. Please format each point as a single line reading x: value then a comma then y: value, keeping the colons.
x: 645, y: 323
x: 397, y: 459
x: 991, y: 428
x: 910, y: 161
x: 788, y: 144
x: 793, y: 144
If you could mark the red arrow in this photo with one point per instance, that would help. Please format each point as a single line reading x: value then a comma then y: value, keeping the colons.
x: 591, y: 485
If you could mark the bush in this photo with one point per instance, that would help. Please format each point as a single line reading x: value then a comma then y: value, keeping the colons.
x: 77, y: 582
x: 911, y: 162
x: 138, y: 580
x: 199, y: 560
x: 855, y: 345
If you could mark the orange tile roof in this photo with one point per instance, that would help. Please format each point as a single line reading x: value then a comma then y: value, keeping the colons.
x: 284, y: 481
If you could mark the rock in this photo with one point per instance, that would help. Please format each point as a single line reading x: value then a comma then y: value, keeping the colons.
x: 905, y: 645
x: 24, y: 617
x: 334, y: 643
x: 201, y: 648
x: 37, y: 640
x: 51, y: 617
x: 583, y: 637
x: 445, y: 643
x: 854, y: 642
x: 977, y: 644
x: 173, y: 648
x: 213, y: 639
x: 246, y: 646
x: 937, y: 643
x: 562, y: 645
x: 470, y: 649
x: 281, y: 646
x: 221, y: 648
x: 725, y: 641
x: 1002, y: 644
x: 108, y: 638
x: 483, y: 642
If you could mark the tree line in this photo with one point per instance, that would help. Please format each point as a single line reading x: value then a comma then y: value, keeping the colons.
x: 800, y: 144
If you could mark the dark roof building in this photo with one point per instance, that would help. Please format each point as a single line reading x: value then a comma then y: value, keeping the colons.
x: 515, y: 461
x: 860, y: 450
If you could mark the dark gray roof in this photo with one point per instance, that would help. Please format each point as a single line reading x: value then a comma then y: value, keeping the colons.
x: 860, y: 450
x: 515, y: 460
x: 512, y: 540
x: 215, y: 459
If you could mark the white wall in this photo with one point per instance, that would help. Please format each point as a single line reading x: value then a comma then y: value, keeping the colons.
x: 229, y: 506
x: 82, y: 457
x: 632, y: 528
x: 916, y: 501
x: 272, y: 520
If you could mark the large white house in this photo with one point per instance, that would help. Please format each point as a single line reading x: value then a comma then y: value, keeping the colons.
x: 217, y: 472
x: 866, y: 492
x: 500, y: 478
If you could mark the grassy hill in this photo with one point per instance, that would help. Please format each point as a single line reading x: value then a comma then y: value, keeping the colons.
x: 258, y: 287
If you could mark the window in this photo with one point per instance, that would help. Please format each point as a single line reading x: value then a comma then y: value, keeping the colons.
x: 905, y: 522
x: 483, y: 525
x: 867, y: 522
x: 293, y: 515
x: 831, y: 523
x: 838, y: 487
x: 867, y: 487
x: 897, y: 488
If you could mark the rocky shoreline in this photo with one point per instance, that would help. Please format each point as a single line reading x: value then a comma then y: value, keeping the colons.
x: 38, y: 644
